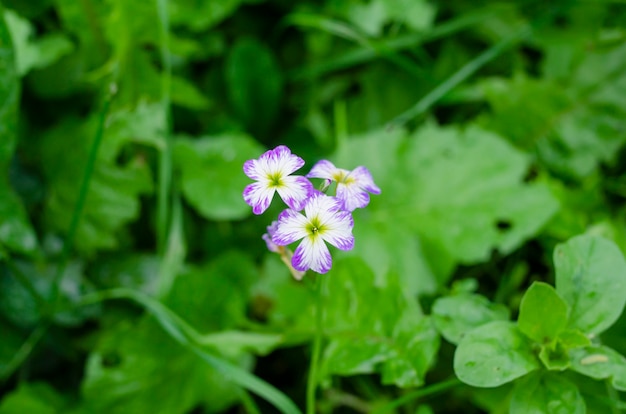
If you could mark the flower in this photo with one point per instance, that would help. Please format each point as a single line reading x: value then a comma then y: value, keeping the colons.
x: 272, y: 173
x: 285, y: 253
x: 323, y: 221
x: 352, y: 186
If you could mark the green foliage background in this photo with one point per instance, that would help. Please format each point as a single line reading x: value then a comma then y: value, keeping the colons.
x: 133, y: 277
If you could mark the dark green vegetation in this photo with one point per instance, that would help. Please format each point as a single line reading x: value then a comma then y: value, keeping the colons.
x: 487, y: 277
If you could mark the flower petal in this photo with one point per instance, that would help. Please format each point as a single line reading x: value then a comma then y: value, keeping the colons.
x: 258, y: 196
x: 323, y: 169
x: 364, y: 178
x: 337, y: 230
x: 295, y: 191
x: 281, y: 160
x: 319, y: 202
x: 312, y: 254
x: 352, y: 196
x: 291, y: 227
x: 251, y: 169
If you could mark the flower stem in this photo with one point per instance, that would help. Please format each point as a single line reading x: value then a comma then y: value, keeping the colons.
x: 317, y: 346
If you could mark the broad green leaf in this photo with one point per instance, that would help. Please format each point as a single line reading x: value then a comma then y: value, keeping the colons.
x: 392, y: 338
x: 112, y: 199
x: 33, y: 398
x: 494, y: 354
x: 137, y: 272
x: 591, y: 277
x: 16, y: 232
x: 541, y: 326
x: 456, y: 315
x: 126, y: 372
x: 415, y: 344
x: 541, y: 393
x: 574, y: 124
x: 231, y: 274
x: 484, y: 204
x: 212, y: 177
x: 31, y: 54
x: 600, y: 362
x: 20, y: 307
x: 254, y: 89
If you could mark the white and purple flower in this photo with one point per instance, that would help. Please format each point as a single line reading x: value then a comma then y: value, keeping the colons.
x: 323, y: 221
x: 352, y: 186
x: 272, y: 172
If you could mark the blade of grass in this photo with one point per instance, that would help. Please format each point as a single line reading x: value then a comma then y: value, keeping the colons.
x: 189, y: 338
x: 364, y: 55
x: 25, y: 350
x: 174, y: 255
x: 82, y: 194
x: 469, y: 69
x: 345, y: 31
x: 165, y: 156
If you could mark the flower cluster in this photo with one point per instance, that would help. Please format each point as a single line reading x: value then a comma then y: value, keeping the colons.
x: 312, y: 216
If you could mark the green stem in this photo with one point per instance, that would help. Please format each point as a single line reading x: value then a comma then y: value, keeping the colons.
x: 25, y: 350
x: 317, y: 345
x: 82, y: 195
x: 421, y: 393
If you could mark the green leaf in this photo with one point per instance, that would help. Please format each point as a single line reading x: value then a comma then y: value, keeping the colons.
x: 199, y: 16
x: 119, y: 369
x: 19, y: 305
x: 112, y: 199
x: 212, y: 178
x: 484, y: 204
x: 413, y: 351
x: 546, y: 394
x: 591, y: 277
x: 456, y: 315
x: 572, y: 124
x: 126, y: 371
x: 541, y: 326
x: 32, y: 398
x: 254, y: 84
x: 11, y: 339
x: 392, y: 338
x: 16, y: 232
x: 600, y: 362
x: 494, y: 354
x: 9, y: 97
x: 34, y: 54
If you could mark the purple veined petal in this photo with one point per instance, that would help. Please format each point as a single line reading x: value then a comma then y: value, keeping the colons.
x: 312, y: 254
x: 282, y: 161
x: 364, y: 179
x: 352, y: 196
x: 295, y: 191
x: 291, y: 228
x: 271, y: 246
x: 323, y: 169
x: 258, y: 196
x: 320, y: 202
x: 251, y: 169
x: 267, y: 237
x: 337, y: 230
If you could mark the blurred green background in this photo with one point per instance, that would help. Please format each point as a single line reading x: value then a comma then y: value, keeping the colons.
x: 495, y: 130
